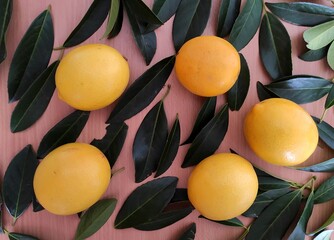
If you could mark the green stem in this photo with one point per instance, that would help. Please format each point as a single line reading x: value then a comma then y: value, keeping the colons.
x: 61, y: 54
x: 323, y: 115
x: 309, y: 184
x: 244, y: 234
x: 264, y: 7
x: 113, y: 173
x: 58, y: 48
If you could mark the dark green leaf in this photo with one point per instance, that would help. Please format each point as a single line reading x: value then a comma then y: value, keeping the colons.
x: 95, y: 217
x: 146, y: 202
x: 65, y: 131
x: 36, y: 205
x: 112, y: 142
x: 300, y: 88
x: 326, y: 166
x: 324, y: 235
x: 330, y: 98
x: 141, y: 93
x: 246, y: 24
x: 314, y: 55
x: 300, y: 229
x: 208, y: 139
x: 228, y: 13
x: 190, y: 233
x: 6, y: 8
x: 90, y: 23
x: 276, y: 218
x: 34, y: 101
x: 147, y: 42
x: 263, y: 200
x: 180, y: 195
x: 165, y: 9
x: 275, y: 47
x: 204, y: 116
x: 328, y: 222
x: 31, y: 56
x: 268, y: 181
x: 113, y: 16
x: 238, y: 93
x: 326, y: 132
x: 190, y: 20
x: 17, y: 183
x: 330, y: 55
x: 302, y: 13
x: 234, y: 222
x: 170, y: 150
x: 20, y: 236
x: 263, y: 93
x: 119, y: 22
x: 325, y: 192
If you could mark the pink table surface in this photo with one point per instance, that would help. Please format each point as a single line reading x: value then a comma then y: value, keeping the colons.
x: 66, y: 14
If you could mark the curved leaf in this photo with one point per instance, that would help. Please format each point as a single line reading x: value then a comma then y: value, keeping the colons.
x: 314, y: 55
x: 36, y: 205
x: 119, y: 22
x: 328, y: 222
x: 112, y: 142
x: 190, y: 20
x: 141, y: 93
x: 275, y: 47
x: 326, y: 132
x: 34, y: 101
x: 330, y: 56
x: 65, y: 131
x: 17, y: 183
x: 204, y: 116
x: 208, y: 139
x: 146, y: 202
x: 330, y: 98
x: 269, y: 182
x: 113, y: 16
x: 234, y: 222
x: 180, y: 195
x: 319, y: 36
x: 20, y: 236
x: 300, y: 88
x: 190, y: 233
x: 264, y: 93
x: 6, y: 8
x: 228, y: 13
x: 246, y: 24
x: 32, y: 55
x: 95, y: 217
x: 165, y: 9
x: 170, y: 150
x: 302, y: 13
x: 324, y: 235
x: 326, y: 166
x: 325, y: 192
x: 90, y: 23
x: 238, y: 93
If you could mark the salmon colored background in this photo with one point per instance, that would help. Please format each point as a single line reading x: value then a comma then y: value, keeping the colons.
x: 66, y: 15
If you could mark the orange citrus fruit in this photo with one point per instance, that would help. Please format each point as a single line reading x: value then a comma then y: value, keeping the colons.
x: 92, y: 76
x: 71, y: 178
x: 281, y: 132
x: 222, y: 186
x: 207, y: 66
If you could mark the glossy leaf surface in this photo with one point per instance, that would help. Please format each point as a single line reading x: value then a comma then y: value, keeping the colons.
x: 113, y: 16
x: 264, y: 93
x: 325, y: 192
x: 228, y: 13
x: 314, y: 55
x: 326, y: 132
x: 326, y: 166
x: 165, y: 9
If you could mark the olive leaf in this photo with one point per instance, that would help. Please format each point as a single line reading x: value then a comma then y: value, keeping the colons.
x: 89, y: 24
x: 328, y: 222
x: 180, y: 195
x: 113, y: 16
x: 190, y: 233
x: 264, y: 93
x: 35, y: 100
x: 326, y: 166
x: 324, y: 235
x: 141, y: 93
x: 314, y: 55
x: 65, y: 131
x: 330, y: 98
x: 149, y: 142
x: 330, y: 55
x: 32, y: 55
x: 17, y: 183
x: 319, y: 36
x: 302, y: 13
x: 6, y: 8
x: 206, y: 113
x: 228, y: 13
x: 208, y: 139
x: 275, y: 47
x: 190, y: 20
x: 146, y: 202
x: 95, y: 217
x: 234, y: 222
x: 325, y: 192
x: 164, y: 9
x: 326, y: 132
x: 112, y: 142
x: 118, y: 24
x: 238, y: 93
x: 170, y: 149
x: 300, y: 88
x: 269, y: 182
x: 147, y: 42
x: 246, y: 24
x: 20, y: 236
x: 276, y: 218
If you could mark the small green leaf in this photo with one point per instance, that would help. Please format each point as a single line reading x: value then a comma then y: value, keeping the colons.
x: 228, y: 13
x: 113, y: 16
x: 264, y: 93
x: 238, y: 93
x: 170, y: 150
x: 246, y: 24
x: 275, y: 47
x: 141, y: 93
x: 206, y: 113
x: 276, y: 218
x: 319, y: 36
x: 65, y: 131
x: 328, y: 222
x: 302, y: 13
x: 146, y: 202
x: 6, y: 8
x: 326, y: 166
x: 215, y: 130
x: 300, y: 88
x: 165, y: 9
x: 234, y: 222
x: 330, y: 56
x: 89, y: 24
x: 190, y: 20
x: 18, y: 182
x: 324, y: 235
x: 31, y: 56
x: 189, y: 234
x: 112, y: 142
x: 314, y: 55
x: 325, y: 192
x: 119, y: 22
x: 35, y: 100
x: 149, y: 142
x: 20, y: 236
x: 326, y: 132
x: 94, y: 218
